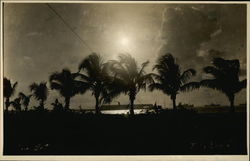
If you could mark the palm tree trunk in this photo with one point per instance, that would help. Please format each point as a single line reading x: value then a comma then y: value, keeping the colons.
x: 18, y: 107
x: 131, y: 110
x: 132, y: 94
x: 7, y: 104
x: 173, y: 97
x: 97, y: 109
x: 42, y: 104
x: 231, y: 100
x: 67, y: 102
x: 174, y: 104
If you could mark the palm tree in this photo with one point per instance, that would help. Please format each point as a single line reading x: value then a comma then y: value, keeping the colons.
x: 129, y: 78
x: 225, y: 78
x: 40, y: 92
x: 25, y: 100
x: 8, y: 91
x: 16, y: 104
x: 67, y: 85
x: 57, y: 106
x: 96, y: 77
x: 169, y: 79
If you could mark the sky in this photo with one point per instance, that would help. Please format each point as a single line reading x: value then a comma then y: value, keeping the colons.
x: 37, y: 43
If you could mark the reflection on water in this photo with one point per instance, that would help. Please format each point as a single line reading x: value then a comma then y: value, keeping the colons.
x: 137, y: 111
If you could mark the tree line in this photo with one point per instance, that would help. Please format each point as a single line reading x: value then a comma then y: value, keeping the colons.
x: 107, y: 80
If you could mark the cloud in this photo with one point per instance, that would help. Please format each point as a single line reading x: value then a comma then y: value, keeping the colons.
x: 195, y: 34
x: 191, y: 32
x: 185, y: 28
x: 38, y: 43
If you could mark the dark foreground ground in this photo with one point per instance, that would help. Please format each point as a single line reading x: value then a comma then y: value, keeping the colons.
x: 170, y: 132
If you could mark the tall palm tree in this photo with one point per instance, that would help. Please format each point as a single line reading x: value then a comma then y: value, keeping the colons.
x: 169, y: 78
x: 67, y: 85
x: 40, y: 92
x: 96, y: 76
x: 25, y: 100
x: 16, y: 104
x: 8, y: 91
x: 225, y: 78
x: 129, y: 77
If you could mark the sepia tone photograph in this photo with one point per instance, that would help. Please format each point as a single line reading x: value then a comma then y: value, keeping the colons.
x: 94, y: 79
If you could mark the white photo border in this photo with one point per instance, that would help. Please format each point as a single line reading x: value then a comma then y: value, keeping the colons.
x: 126, y: 157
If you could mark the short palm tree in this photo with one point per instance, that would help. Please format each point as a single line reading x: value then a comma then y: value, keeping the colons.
x: 225, y: 75
x: 169, y: 78
x: 96, y: 76
x: 16, y: 104
x: 8, y: 91
x: 65, y: 82
x: 25, y: 100
x: 129, y: 78
x: 57, y: 106
x: 40, y: 92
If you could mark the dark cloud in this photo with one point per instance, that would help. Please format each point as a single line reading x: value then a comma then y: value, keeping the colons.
x: 197, y: 33
x: 192, y: 31
x: 184, y: 29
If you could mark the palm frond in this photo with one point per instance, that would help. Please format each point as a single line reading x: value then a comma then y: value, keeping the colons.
x: 54, y: 76
x: 82, y: 76
x: 8, y: 88
x: 143, y: 80
x: 211, y: 83
x: 145, y: 64
x: 190, y: 86
x: 16, y: 103
x: 80, y: 87
x: 241, y: 85
x: 55, y: 85
x: 219, y: 62
x: 169, y: 78
x: 92, y: 64
x: 226, y: 76
x: 25, y: 98
x: 33, y: 86
x: 155, y: 86
x: 213, y: 71
x: 186, y: 75
x: 129, y: 65
x: 22, y: 95
x: 14, y: 87
x: 40, y: 91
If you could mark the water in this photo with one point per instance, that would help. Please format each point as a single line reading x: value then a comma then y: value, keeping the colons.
x: 137, y: 111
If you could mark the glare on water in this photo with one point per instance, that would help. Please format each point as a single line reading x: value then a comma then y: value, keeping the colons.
x: 137, y: 111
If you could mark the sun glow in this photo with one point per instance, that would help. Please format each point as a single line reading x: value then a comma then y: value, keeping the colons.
x: 124, y: 41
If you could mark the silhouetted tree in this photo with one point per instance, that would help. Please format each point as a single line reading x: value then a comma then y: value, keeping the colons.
x: 57, y: 106
x: 169, y: 78
x: 97, y: 79
x: 225, y: 78
x: 25, y: 100
x: 16, y: 104
x: 67, y: 85
x: 129, y: 78
x: 8, y: 91
x: 40, y: 92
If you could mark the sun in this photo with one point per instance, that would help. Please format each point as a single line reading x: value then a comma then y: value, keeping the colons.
x: 124, y: 41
